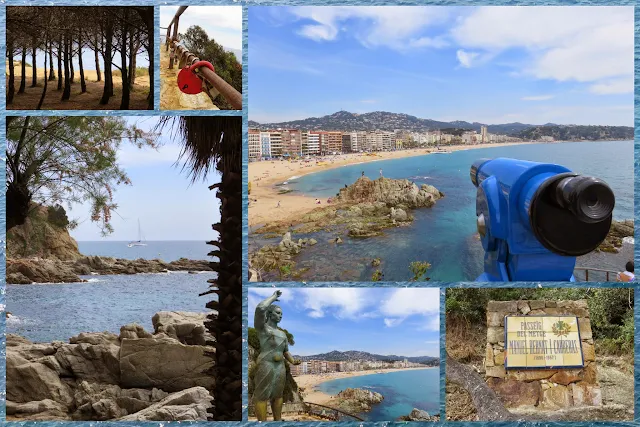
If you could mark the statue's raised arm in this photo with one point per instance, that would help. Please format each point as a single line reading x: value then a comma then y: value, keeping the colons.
x: 259, y: 318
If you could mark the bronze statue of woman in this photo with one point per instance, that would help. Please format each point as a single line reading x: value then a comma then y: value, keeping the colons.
x: 271, y: 372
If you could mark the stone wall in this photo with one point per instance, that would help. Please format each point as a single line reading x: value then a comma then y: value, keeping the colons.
x: 544, y: 389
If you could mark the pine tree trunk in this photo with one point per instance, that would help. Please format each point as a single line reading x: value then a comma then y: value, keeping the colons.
x: 133, y: 49
x: 46, y: 80
x: 124, y: 103
x: 108, y: 79
x: 83, y: 84
x: 60, y: 63
x: 23, y: 68
x: 66, y: 94
x: 73, y: 73
x: 97, y: 60
x: 12, y: 85
x: 34, y: 69
x: 52, y: 74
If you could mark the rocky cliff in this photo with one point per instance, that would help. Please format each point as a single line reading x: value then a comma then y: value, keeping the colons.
x: 44, y: 234
x: 133, y: 376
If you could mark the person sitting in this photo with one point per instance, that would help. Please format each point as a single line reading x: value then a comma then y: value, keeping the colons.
x: 627, y: 275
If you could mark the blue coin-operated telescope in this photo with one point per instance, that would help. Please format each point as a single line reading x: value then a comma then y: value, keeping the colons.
x: 534, y: 219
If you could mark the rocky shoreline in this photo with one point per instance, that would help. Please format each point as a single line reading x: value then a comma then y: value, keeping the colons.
x: 24, y: 271
x: 104, y: 376
x: 364, y: 209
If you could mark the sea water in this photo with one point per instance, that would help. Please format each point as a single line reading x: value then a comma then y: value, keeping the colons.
x: 402, y: 390
x: 445, y: 235
x: 47, y: 312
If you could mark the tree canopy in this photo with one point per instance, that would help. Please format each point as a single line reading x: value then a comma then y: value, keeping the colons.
x: 197, y: 40
x: 55, y: 160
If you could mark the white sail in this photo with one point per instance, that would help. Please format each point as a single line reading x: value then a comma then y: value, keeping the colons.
x: 138, y: 242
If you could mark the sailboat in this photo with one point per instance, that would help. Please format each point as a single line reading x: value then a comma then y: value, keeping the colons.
x: 139, y: 241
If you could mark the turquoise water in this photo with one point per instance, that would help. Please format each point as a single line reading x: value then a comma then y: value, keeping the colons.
x: 402, y: 391
x: 444, y: 235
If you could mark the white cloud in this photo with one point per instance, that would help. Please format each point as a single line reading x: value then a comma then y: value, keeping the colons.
x: 342, y: 302
x: 576, y: 43
x: 537, y: 98
x: 222, y: 23
x: 613, y: 86
x: 465, y: 58
x: 406, y: 302
x: 373, y: 26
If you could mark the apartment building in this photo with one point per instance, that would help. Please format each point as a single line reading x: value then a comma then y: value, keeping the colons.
x: 265, y: 144
x: 255, y: 148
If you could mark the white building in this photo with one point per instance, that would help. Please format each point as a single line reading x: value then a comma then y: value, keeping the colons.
x: 313, y: 144
x: 265, y: 144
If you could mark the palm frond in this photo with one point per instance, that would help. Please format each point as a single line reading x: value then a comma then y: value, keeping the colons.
x: 207, y: 141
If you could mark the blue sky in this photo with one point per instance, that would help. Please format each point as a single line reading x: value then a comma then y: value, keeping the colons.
x: 568, y: 65
x: 400, y: 321
x: 222, y: 23
x: 161, y: 196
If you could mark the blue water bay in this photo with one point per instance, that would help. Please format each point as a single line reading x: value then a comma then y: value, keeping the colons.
x: 48, y: 312
x: 402, y: 390
x: 445, y: 235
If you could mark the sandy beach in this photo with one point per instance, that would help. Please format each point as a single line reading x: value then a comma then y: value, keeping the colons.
x: 264, y: 175
x: 309, y: 382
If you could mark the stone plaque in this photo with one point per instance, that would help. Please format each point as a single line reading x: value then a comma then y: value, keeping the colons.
x: 542, y: 342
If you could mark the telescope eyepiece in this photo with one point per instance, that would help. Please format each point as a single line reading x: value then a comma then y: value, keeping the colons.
x: 589, y: 199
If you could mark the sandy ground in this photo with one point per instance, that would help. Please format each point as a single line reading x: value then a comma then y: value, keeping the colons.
x: 309, y: 382
x: 171, y: 98
x: 263, y: 175
x: 90, y: 100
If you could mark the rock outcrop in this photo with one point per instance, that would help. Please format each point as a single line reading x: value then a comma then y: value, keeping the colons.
x: 356, y: 400
x: 363, y: 209
x: 24, y: 271
x: 617, y: 233
x: 43, y: 234
x: 419, y: 415
x: 134, y: 376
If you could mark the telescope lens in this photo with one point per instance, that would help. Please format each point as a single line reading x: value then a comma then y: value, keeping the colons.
x: 473, y: 173
x: 571, y: 214
x: 588, y: 198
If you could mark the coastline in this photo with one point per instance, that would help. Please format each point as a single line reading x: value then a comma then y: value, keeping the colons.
x: 310, y: 382
x: 264, y: 175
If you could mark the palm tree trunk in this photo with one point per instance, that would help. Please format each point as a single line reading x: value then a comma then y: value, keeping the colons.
x: 218, y: 140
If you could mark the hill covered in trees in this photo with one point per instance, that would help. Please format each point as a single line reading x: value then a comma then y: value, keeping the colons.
x: 577, y: 133
x: 383, y: 120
